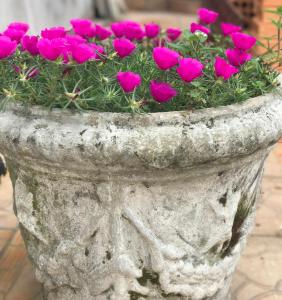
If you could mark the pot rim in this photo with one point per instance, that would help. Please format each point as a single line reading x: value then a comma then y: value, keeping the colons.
x: 114, y: 143
x: 251, y: 103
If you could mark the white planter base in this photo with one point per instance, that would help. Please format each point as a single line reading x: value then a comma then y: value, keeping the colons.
x: 161, y: 235
x: 121, y: 207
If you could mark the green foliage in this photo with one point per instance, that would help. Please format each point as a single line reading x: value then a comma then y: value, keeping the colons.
x: 273, y: 55
x: 93, y: 85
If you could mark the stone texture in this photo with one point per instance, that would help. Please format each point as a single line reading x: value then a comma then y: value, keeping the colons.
x: 243, y: 288
x: 154, y: 205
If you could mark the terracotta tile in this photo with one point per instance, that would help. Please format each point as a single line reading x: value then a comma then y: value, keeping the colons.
x: 17, y: 240
x: 7, y: 278
x: 6, y: 192
x: 250, y: 291
x: 7, y: 220
x: 271, y: 296
x: 6, y: 234
x: 26, y: 287
x: 274, y: 163
x: 262, y: 261
x: 12, y: 257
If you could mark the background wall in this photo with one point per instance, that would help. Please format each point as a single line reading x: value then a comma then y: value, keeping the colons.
x: 44, y: 13
x: 182, y: 6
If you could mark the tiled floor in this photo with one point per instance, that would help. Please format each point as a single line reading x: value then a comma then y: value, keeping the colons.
x: 259, y: 274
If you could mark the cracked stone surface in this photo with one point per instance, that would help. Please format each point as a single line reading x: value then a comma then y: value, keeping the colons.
x: 261, y: 255
x: 122, y: 207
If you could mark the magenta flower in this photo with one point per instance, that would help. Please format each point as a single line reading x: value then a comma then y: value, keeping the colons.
x: 161, y: 91
x: 102, y: 33
x: 118, y: 29
x: 197, y: 27
x: 19, y: 26
x: 173, y: 33
x: 14, y: 34
x: 83, y: 27
x: 7, y: 47
x: 82, y: 53
x: 52, y: 49
x: 141, y: 35
x: 98, y: 50
x: 129, y: 81
x: 165, y: 58
x: 75, y: 39
x: 54, y: 33
x: 152, y: 30
x: 207, y: 16
x: 133, y: 30
x: 237, y: 57
x: 123, y: 47
x: 17, y: 69
x: 29, y: 44
x: 243, y: 41
x: 228, y: 28
x: 189, y: 69
x: 224, y: 69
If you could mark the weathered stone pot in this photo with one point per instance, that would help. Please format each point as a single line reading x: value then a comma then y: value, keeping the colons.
x: 157, y: 206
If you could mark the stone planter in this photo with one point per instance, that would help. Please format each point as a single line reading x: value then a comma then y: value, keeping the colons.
x: 157, y: 206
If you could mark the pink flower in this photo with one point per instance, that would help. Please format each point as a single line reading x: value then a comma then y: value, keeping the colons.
x: 224, y: 69
x: 207, y: 16
x: 52, y: 49
x: 14, y: 34
x: 17, y: 69
x: 102, y: 33
x: 237, y: 57
x: 197, y: 27
x: 173, y: 33
x: 243, y: 41
x: 81, y: 53
x: 133, y: 30
x: 54, y: 33
x: 98, y: 50
x: 29, y: 44
x: 124, y: 47
x: 19, y: 26
x: 83, y: 27
x: 165, y: 58
x: 228, y: 28
x: 129, y: 81
x: 7, y: 47
x: 75, y: 39
x: 118, y: 29
x: 141, y: 35
x: 189, y: 69
x: 161, y: 91
x: 152, y: 30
